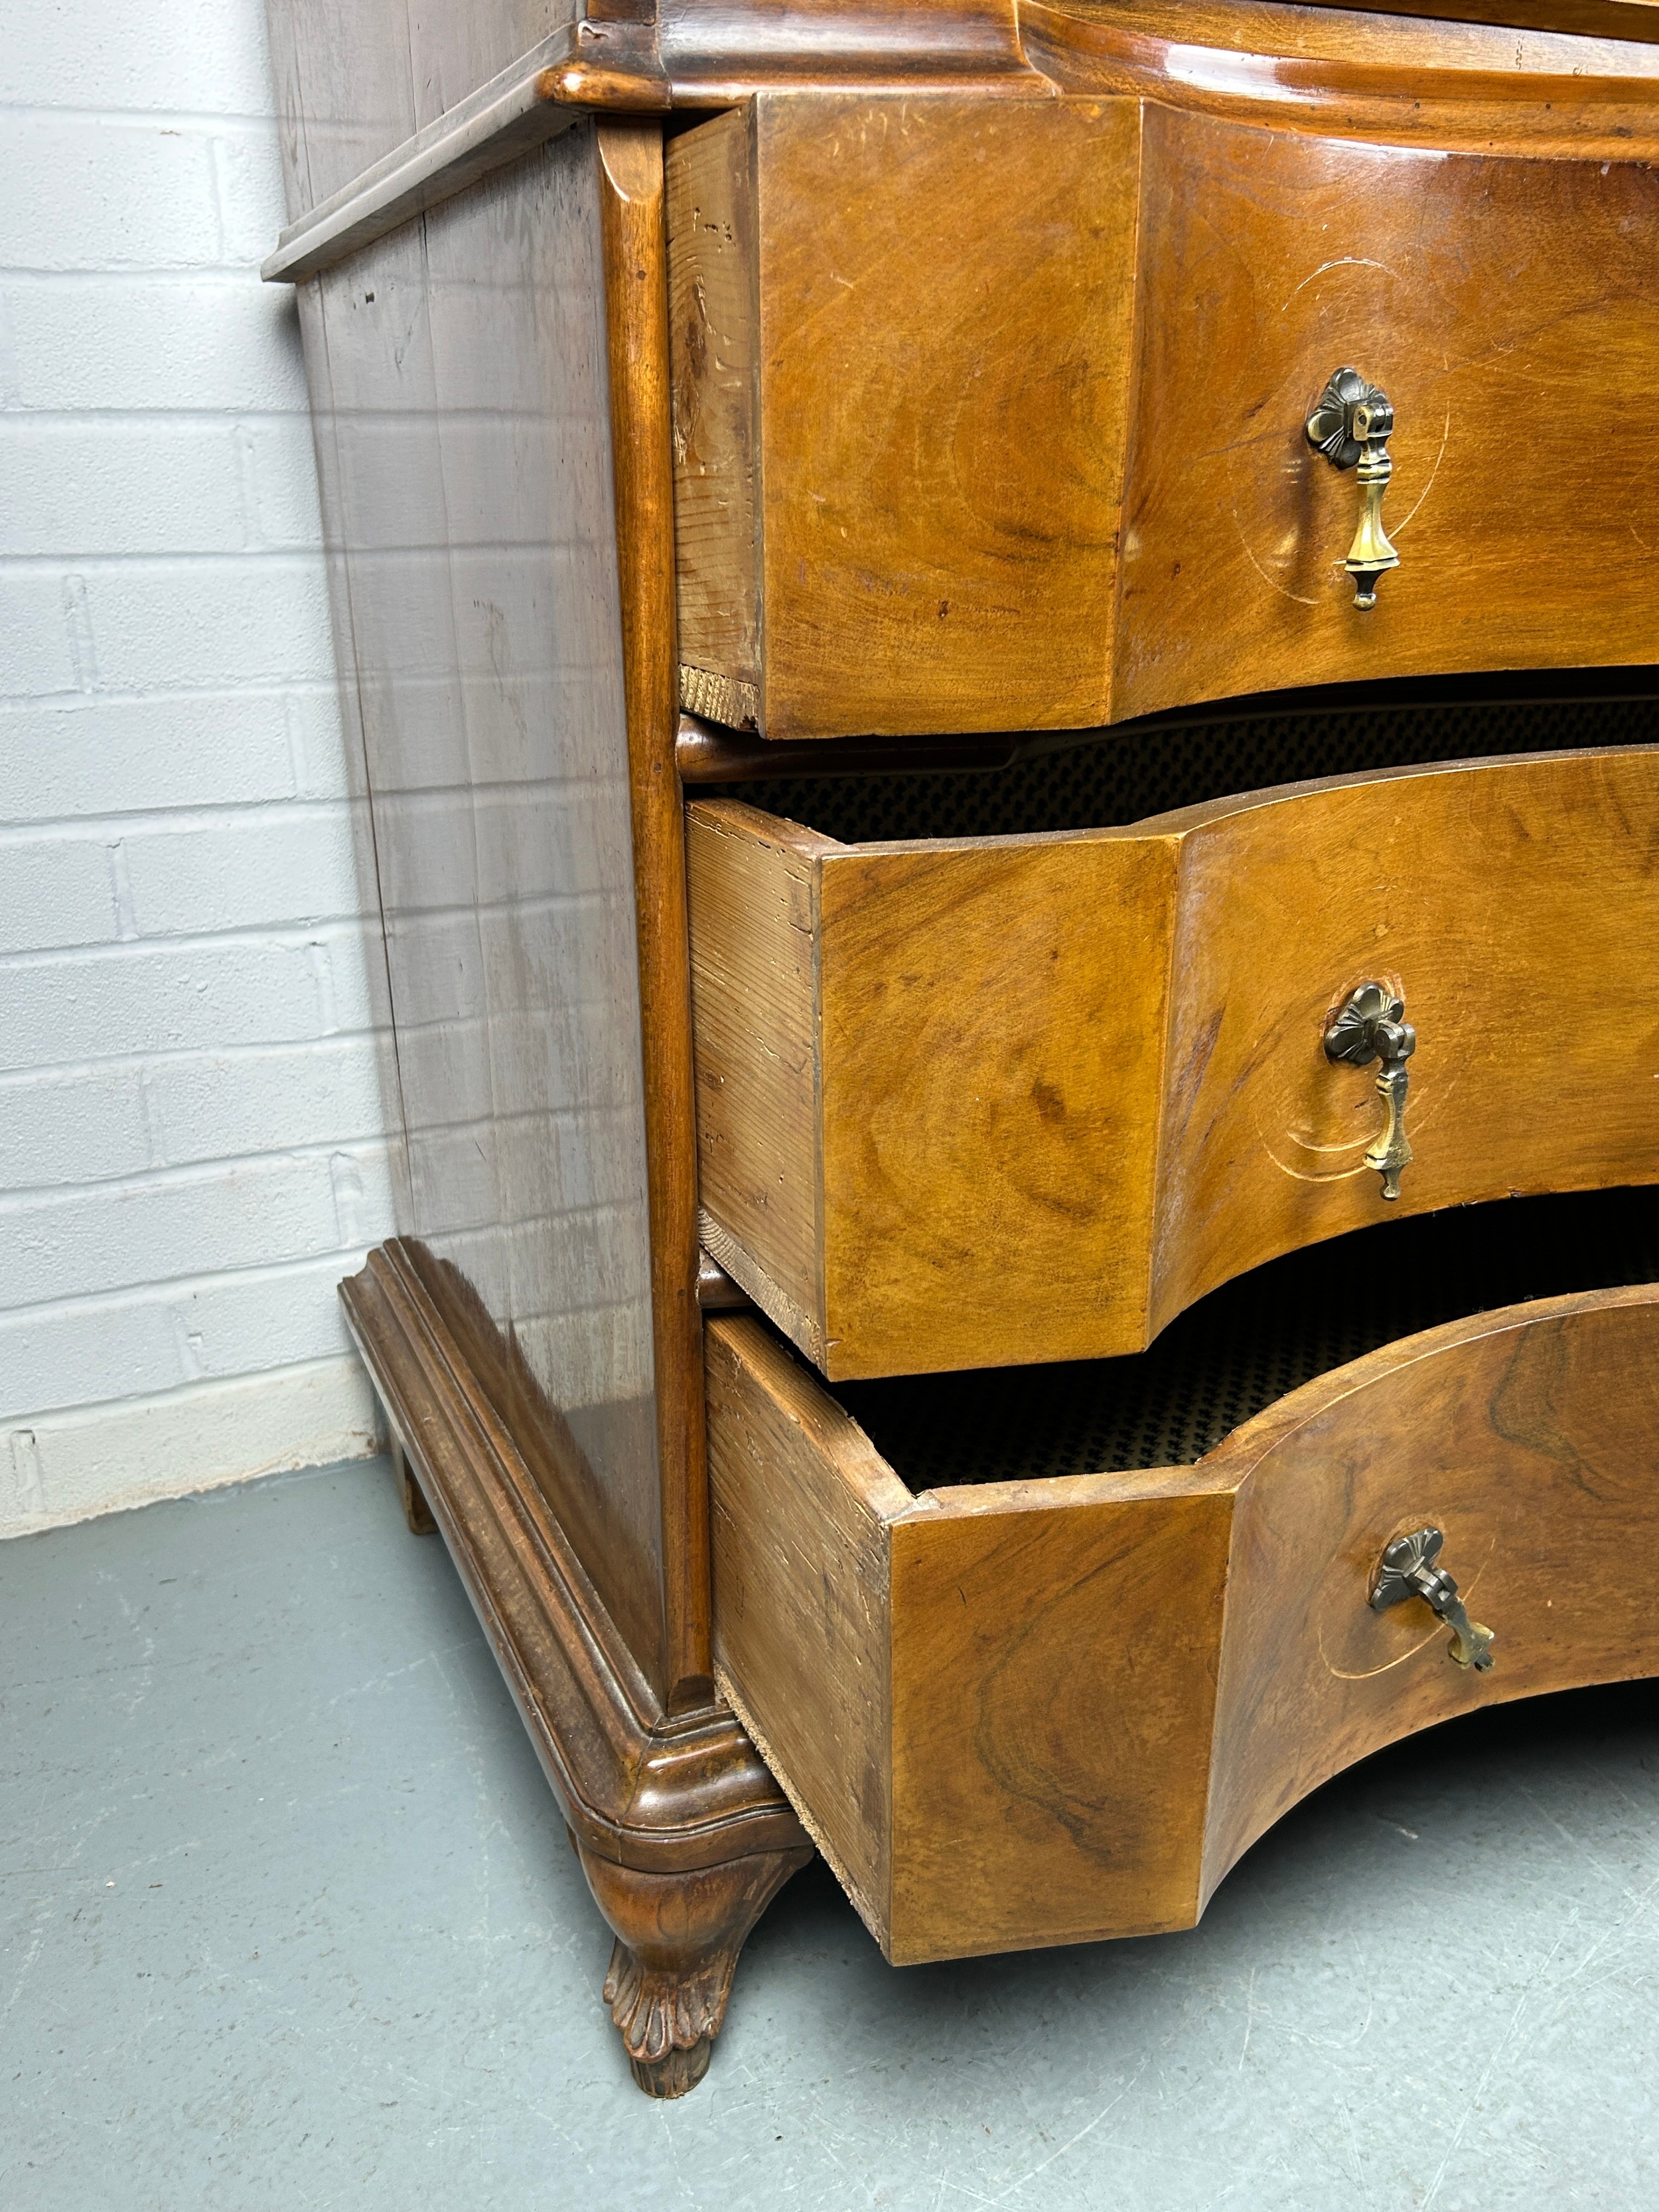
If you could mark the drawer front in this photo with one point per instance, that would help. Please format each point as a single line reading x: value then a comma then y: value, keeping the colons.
x: 1010, y: 1099
x: 991, y: 415
x: 1507, y: 308
x: 1042, y: 1712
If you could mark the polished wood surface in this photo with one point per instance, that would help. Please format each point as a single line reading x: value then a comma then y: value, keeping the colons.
x: 1492, y: 893
x: 1046, y: 1712
x: 1419, y: 79
x: 1272, y: 259
x: 902, y: 462
x: 631, y: 218
x: 641, y: 1787
x: 1061, y: 477
x: 977, y: 1101
x: 387, y: 111
x: 683, y: 1833
x: 1595, y: 19
x: 756, y: 1019
x: 1528, y: 1439
x: 968, y: 301
x: 802, y: 1508
x: 678, y: 1937
x: 461, y: 399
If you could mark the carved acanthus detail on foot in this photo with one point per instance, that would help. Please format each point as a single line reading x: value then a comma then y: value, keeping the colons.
x: 677, y: 1940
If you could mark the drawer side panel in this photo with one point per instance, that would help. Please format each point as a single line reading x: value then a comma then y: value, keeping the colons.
x: 755, y: 1053
x: 800, y: 1504
x: 712, y: 331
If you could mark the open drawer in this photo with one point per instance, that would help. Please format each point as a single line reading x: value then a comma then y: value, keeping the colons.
x: 983, y: 1100
x: 992, y: 414
x: 1018, y: 1707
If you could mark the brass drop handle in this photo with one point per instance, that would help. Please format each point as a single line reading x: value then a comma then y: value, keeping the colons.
x: 1369, y: 1027
x: 1408, y: 1569
x: 1351, y: 426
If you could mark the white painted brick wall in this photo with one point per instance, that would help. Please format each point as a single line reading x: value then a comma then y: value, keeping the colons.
x: 191, y: 1145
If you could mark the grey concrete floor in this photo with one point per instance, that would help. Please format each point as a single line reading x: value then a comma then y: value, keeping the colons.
x: 288, y: 1920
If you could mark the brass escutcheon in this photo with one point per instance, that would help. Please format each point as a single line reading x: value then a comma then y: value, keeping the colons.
x: 1370, y: 1026
x: 1351, y: 426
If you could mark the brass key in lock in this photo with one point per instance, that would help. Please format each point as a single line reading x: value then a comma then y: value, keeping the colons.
x: 1370, y: 1026
x: 1408, y: 1569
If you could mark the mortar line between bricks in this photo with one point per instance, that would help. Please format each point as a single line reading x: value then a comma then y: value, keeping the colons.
x: 286, y: 934
x: 17, y: 1079
x: 22, y: 417
x: 40, y: 1198
x: 236, y: 274
x: 162, y: 821
x: 298, y: 554
x: 296, y: 935
x: 172, y: 695
x: 91, y: 1303
x: 162, y: 118
x: 65, y: 1304
x: 550, y: 1118
x: 196, y: 1384
x: 163, y: 941
x: 347, y: 1258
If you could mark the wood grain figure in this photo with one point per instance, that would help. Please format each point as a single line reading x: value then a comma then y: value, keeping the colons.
x: 702, y: 386
x: 878, y: 533
x: 1052, y: 1710
x: 967, y: 1102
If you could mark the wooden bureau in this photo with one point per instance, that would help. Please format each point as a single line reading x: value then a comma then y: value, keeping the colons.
x: 1002, y: 666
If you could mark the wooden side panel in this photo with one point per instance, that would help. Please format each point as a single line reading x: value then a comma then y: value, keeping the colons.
x: 1528, y: 1439
x: 946, y: 296
x: 1514, y: 906
x: 755, y: 1023
x: 1055, y: 1672
x: 461, y: 395
x: 993, y: 1021
x: 714, y: 322
x: 800, y: 1505
x: 633, y: 229
x: 1504, y: 306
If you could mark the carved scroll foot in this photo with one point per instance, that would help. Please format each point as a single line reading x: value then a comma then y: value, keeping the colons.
x: 677, y: 1940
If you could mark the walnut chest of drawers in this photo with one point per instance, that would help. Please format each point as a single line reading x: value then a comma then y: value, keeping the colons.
x: 1001, y: 656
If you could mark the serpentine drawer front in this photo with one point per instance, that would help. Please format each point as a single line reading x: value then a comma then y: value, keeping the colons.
x: 975, y: 1102
x: 1041, y: 1711
x: 995, y: 415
